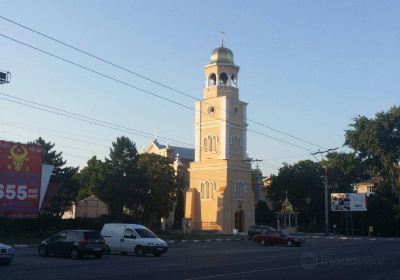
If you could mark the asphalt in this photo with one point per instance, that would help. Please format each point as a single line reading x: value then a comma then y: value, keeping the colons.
x: 317, y: 259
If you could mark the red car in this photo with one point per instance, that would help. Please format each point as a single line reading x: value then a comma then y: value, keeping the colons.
x: 278, y: 237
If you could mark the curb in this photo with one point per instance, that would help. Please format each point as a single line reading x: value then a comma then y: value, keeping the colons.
x: 353, y: 238
x: 205, y: 240
x: 25, y: 245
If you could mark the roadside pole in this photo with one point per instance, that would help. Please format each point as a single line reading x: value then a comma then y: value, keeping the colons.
x: 326, y: 203
x: 326, y: 188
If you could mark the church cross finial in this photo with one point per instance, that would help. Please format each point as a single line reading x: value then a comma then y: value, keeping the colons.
x: 222, y: 33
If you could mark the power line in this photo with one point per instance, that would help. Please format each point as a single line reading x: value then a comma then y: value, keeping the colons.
x: 84, y: 118
x: 57, y: 131
x: 149, y: 92
x: 65, y: 114
x: 58, y: 145
x: 52, y: 134
x: 147, y: 78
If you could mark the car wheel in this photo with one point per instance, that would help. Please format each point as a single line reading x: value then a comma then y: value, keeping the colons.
x: 98, y: 256
x: 157, y: 254
x: 290, y: 243
x: 123, y: 253
x: 139, y: 251
x: 43, y: 251
x: 5, y: 262
x: 263, y: 243
x: 74, y: 254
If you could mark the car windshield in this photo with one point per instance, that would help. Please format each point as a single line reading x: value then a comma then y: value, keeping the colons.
x: 145, y: 233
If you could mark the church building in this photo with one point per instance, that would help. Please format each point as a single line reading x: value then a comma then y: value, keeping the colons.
x: 220, y: 196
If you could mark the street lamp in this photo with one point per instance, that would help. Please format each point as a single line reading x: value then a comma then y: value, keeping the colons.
x: 5, y: 77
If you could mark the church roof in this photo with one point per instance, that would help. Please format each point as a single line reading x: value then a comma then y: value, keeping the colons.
x: 222, y: 55
x: 184, y: 153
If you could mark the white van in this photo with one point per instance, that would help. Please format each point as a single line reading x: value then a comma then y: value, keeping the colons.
x: 132, y: 238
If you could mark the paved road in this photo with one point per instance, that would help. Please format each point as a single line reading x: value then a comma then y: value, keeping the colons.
x: 318, y: 259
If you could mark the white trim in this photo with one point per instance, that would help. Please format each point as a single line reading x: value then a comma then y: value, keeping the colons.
x: 223, y: 149
x: 244, y: 145
x: 194, y: 169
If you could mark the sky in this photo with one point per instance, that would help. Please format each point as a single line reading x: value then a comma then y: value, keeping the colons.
x: 307, y: 68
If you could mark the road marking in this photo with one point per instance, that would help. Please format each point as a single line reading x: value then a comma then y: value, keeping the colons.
x: 172, y: 264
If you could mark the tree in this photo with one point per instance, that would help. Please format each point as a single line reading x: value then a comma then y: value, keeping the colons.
x: 61, y: 175
x: 264, y: 216
x: 161, y: 187
x: 344, y: 171
x: 118, y: 181
x: 303, y: 182
x: 377, y: 143
x: 88, y: 177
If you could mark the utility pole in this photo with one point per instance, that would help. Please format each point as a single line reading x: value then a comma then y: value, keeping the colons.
x: 326, y: 189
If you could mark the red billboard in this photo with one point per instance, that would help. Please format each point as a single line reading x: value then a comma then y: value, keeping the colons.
x: 20, y: 179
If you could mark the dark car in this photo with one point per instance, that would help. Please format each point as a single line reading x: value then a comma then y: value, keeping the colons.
x: 74, y: 243
x: 278, y: 237
x: 257, y: 229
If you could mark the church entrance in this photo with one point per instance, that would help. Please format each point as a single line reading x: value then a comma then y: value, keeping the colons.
x: 239, y: 220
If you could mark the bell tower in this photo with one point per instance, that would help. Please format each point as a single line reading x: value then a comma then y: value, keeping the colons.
x: 220, y: 196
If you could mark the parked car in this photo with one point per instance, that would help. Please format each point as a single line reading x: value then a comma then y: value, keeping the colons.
x: 6, y: 253
x: 132, y: 238
x: 74, y: 243
x: 257, y: 229
x: 278, y: 237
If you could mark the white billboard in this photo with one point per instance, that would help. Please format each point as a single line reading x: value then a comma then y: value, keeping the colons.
x: 348, y: 202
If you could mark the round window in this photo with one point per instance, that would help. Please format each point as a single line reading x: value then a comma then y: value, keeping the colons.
x: 211, y: 110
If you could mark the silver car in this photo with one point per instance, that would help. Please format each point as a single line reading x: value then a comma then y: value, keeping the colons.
x: 6, y: 254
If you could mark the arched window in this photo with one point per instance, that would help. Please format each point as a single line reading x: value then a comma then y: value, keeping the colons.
x: 214, y: 143
x: 233, y: 80
x: 223, y: 79
x: 239, y: 147
x: 212, y: 80
x: 205, y: 144
x: 210, y: 144
x: 235, y: 144
x: 239, y: 190
x: 232, y: 143
x: 207, y: 190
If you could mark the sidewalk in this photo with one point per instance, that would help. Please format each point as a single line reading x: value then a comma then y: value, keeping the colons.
x: 345, y: 237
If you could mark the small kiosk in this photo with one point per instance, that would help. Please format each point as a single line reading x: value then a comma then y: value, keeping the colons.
x: 286, y: 218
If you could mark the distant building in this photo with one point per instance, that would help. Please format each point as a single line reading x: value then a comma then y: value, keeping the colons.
x: 258, y: 186
x: 368, y: 186
x: 90, y: 207
x: 181, y: 157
